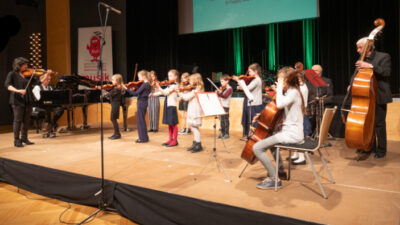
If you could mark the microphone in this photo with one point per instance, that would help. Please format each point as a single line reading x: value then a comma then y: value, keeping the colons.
x: 111, y: 8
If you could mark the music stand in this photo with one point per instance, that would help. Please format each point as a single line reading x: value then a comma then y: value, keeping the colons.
x: 211, y: 106
x: 317, y: 82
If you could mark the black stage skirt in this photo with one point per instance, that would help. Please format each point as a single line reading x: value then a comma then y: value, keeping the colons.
x: 170, y: 116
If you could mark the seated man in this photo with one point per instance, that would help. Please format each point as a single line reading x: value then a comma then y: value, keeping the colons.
x: 58, y: 111
x: 315, y: 93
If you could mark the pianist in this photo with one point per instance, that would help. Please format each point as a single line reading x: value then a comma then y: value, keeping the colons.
x: 58, y: 111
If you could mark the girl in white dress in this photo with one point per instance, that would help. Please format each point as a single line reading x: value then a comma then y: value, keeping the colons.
x: 194, y: 111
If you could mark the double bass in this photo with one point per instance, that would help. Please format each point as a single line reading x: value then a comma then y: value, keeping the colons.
x: 360, y: 124
x: 266, y: 125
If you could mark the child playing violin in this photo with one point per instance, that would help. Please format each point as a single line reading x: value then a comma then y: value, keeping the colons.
x: 114, y: 92
x: 194, y: 110
x: 254, y: 105
x: 183, y: 105
x: 143, y: 92
x: 225, y: 93
x: 170, y: 116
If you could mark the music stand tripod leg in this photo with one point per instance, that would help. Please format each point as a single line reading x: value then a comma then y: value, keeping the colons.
x: 215, y: 156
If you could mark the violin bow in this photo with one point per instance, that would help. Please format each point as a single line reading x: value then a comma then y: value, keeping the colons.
x: 212, y: 83
x: 30, y: 79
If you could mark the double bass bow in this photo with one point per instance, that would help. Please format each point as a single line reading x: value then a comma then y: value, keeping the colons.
x: 360, y: 124
x: 266, y: 124
x: 134, y: 84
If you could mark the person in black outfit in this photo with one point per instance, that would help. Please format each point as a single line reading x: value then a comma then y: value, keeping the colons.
x: 380, y: 62
x: 115, y: 96
x: 314, y: 93
x: 324, y: 90
x: 142, y: 94
x: 21, y: 100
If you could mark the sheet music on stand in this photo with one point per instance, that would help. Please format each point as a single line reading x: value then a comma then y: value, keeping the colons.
x: 317, y: 82
x: 210, y: 104
x: 314, y: 79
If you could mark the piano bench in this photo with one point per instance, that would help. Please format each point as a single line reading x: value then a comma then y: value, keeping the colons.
x: 38, y: 116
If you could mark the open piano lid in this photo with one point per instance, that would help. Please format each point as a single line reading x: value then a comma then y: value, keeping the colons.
x: 74, y: 80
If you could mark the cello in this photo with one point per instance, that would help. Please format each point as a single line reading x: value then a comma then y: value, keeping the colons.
x: 360, y: 124
x: 266, y: 123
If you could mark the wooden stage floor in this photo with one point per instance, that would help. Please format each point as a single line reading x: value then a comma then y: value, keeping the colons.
x: 366, y: 192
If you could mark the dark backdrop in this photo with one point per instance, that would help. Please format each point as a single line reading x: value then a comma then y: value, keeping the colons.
x: 342, y: 23
x: 30, y: 17
x: 153, y: 43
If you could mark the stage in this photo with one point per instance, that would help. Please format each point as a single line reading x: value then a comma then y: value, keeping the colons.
x: 167, y: 181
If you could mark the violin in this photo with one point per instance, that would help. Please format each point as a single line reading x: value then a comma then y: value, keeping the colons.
x: 34, y: 72
x: 166, y: 82
x: 246, y: 78
x: 134, y: 84
x: 184, y: 83
x: 154, y: 83
x: 222, y: 88
x: 187, y: 88
x: 108, y: 87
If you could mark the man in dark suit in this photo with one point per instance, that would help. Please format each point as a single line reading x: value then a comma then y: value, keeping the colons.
x: 380, y: 62
x: 315, y: 106
x: 324, y: 90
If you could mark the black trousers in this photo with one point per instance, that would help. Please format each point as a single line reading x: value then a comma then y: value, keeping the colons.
x: 225, y: 122
x: 114, y: 116
x: 22, y: 116
x: 58, y: 112
x: 84, y: 112
x: 141, y: 120
x: 380, y: 144
x: 52, y: 121
x: 246, y: 120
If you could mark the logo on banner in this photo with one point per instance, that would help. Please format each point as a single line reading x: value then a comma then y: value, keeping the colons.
x: 89, y: 43
x: 94, y: 46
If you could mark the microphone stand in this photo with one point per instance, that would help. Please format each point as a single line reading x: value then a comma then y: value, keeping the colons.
x: 103, y: 204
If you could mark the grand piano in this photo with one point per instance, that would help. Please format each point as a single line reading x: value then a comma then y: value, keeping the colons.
x: 68, y: 94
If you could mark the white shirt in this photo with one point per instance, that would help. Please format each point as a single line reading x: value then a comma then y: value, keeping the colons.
x: 172, y: 96
x: 292, y: 127
x: 255, y: 87
x: 304, y: 92
x: 36, y: 90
